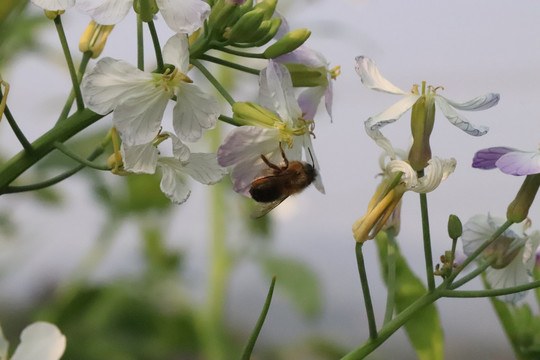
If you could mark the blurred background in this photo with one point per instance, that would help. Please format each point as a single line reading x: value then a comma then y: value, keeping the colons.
x: 127, y: 275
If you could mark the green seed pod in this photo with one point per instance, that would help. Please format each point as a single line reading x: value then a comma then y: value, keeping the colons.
x: 289, y: 42
x: 422, y: 121
x: 519, y: 208
x: 455, y: 229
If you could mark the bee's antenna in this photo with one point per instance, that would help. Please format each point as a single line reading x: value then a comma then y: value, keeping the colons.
x: 311, y: 156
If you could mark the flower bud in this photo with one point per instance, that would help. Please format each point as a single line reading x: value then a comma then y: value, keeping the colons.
x: 305, y: 76
x: 146, y: 9
x: 271, y: 31
x: 268, y: 6
x: 244, y: 28
x: 287, y: 43
x: 94, y: 38
x: 519, y: 208
x: 455, y: 229
x: 224, y: 13
x: 247, y: 113
x: 422, y: 121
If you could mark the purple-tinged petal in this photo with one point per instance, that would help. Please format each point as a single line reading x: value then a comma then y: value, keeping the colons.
x: 328, y: 99
x: 372, y: 78
x: 519, y: 163
x: 303, y: 55
x: 459, y: 120
x: 486, y: 158
x: 309, y: 101
x: 276, y: 92
x: 479, y: 103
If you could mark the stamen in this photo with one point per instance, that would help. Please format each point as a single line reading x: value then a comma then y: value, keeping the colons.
x: 335, y: 72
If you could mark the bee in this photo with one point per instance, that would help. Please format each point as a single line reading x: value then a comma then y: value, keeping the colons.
x: 278, y: 182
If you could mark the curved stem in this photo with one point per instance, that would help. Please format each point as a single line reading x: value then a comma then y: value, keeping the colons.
x: 214, y: 81
x: 229, y: 64
x: 69, y: 102
x: 140, y: 44
x: 391, y: 280
x: 479, y: 270
x: 64, y: 149
x: 256, y: 331
x: 240, y: 53
x: 69, y: 60
x: 228, y: 120
x: 17, y: 130
x: 490, y: 292
x: 427, y: 239
x: 157, y: 47
x: 365, y: 290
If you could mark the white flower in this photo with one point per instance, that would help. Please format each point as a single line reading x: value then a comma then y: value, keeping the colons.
x: 138, y: 98
x: 54, y: 5
x: 39, y: 340
x: 436, y: 172
x: 244, y: 145
x: 182, y: 16
x: 514, y: 251
x: 372, y: 79
x: 145, y: 159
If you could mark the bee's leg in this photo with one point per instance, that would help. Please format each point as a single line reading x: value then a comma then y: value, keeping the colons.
x: 284, y: 157
x: 267, y: 162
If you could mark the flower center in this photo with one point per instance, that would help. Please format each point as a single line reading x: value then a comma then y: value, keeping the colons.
x: 170, y: 80
x: 335, y: 72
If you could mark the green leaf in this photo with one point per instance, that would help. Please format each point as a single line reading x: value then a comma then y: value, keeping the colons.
x: 297, y: 281
x: 424, y: 329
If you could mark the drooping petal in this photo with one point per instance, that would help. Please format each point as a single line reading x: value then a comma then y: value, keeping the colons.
x: 180, y: 150
x: 112, y: 82
x: 393, y: 113
x: 54, y: 4
x: 486, y: 158
x: 309, y: 100
x: 194, y: 112
x: 138, y: 119
x: 140, y: 159
x: 276, y: 92
x: 184, y: 16
x: 105, y: 12
x: 519, y: 163
x: 436, y: 172
x: 513, y: 274
x: 284, y: 28
x: 529, y: 253
x: 372, y: 78
x: 478, y: 103
x: 173, y: 183
x: 42, y: 341
x: 204, y: 168
x: 459, y: 120
x: 176, y: 52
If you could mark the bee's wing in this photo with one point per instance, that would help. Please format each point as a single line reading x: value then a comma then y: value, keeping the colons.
x: 262, y: 209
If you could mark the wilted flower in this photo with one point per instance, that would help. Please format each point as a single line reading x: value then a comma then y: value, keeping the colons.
x: 39, y: 340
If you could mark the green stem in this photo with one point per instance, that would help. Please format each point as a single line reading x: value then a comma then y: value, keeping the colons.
x: 427, y: 239
x: 140, y: 44
x: 69, y: 60
x: 240, y: 53
x: 228, y: 120
x: 480, y: 269
x: 229, y: 64
x: 490, y: 292
x: 64, y: 149
x: 17, y: 130
x: 69, y: 102
x: 391, y: 327
x: 214, y: 81
x: 157, y: 47
x: 256, y: 331
x: 391, y: 280
x: 44, y: 145
x: 365, y: 290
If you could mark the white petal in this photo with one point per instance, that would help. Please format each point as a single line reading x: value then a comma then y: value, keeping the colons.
x: 436, y: 172
x: 372, y: 79
x: 176, y: 52
x: 276, y: 92
x: 184, y: 16
x: 309, y: 100
x: 4, y: 346
x: 112, y: 82
x: 391, y: 114
x: 409, y: 177
x: 381, y: 140
x: 194, y: 112
x: 105, y: 12
x: 311, y: 158
x: 204, y: 168
x: 303, y: 55
x: 513, y: 274
x: 180, y: 150
x: 283, y: 28
x: 140, y: 159
x: 54, y: 4
x: 529, y: 253
x: 479, y: 103
x: 138, y: 120
x: 42, y: 341
x: 173, y: 183
x: 476, y: 231
x: 458, y: 120
x: 519, y: 163
x: 329, y: 98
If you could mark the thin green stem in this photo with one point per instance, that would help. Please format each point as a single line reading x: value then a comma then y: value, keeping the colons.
x: 44, y: 145
x: 391, y: 280
x: 157, y: 47
x: 240, y: 53
x: 214, y: 81
x: 427, y: 239
x: 365, y: 290
x: 229, y: 64
x: 256, y: 331
x: 69, y: 60
x: 64, y: 149
x: 69, y: 102
x: 490, y: 292
x: 17, y: 130
x: 229, y: 120
x: 140, y: 44
x: 480, y: 269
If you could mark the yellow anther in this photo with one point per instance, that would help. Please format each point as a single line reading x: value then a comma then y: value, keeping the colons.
x: 335, y: 72
x: 117, y: 156
x: 415, y: 90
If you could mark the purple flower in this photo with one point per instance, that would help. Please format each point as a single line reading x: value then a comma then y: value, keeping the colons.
x: 508, y: 160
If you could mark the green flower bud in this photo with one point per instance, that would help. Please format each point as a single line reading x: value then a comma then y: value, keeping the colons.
x: 268, y: 6
x: 274, y: 24
x: 224, y: 13
x: 247, y: 113
x: 289, y: 42
x: 305, y: 76
x: 422, y: 121
x: 519, y: 208
x: 455, y: 229
x: 244, y: 28
x: 146, y: 9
